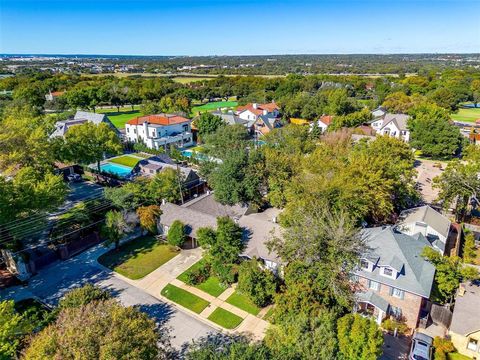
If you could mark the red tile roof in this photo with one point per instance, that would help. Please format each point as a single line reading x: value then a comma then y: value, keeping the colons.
x: 58, y: 93
x: 270, y: 107
x: 159, y: 119
x: 326, y: 119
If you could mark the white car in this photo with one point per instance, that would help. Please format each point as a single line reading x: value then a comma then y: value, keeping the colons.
x: 422, y: 347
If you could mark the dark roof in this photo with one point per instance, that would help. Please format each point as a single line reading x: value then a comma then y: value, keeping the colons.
x: 207, y: 204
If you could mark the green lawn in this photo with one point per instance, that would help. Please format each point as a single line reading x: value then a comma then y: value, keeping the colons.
x: 184, y: 298
x: 243, y: 302
x: 213, y: 106
x: 119, y: 119
x: 125, y: 160
x: 211, y: 286
x: 457, y: 356
x: 138, y: 257
x: 467, y: 114
x: 225, y: 318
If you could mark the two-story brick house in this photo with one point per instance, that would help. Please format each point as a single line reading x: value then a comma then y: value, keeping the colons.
x: 393, y: 279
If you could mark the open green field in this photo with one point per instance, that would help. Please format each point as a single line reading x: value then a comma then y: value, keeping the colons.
x: 119, y: 119
x: 125, y: 160
x: 225, y: 318
x: 184, y: 298
x: 211, y: 286
x: 466, y: 114
x: 213, y: 106
x: 190, y: 79
x: 138, y: 257
x: 243, y: 302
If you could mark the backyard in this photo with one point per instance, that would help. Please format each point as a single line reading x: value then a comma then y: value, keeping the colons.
x: 138, y: 257
x: 125, y: 160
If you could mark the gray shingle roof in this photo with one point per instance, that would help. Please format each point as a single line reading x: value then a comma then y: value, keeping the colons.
x: 230, y: 118
x: 427, y: 215
x: 81, y: 117
x: 193, y: 219
x: 400, y: 120
x: 399, y: 251
x: 466, y: 314
x: 374, y: 299
x: 207, y: 204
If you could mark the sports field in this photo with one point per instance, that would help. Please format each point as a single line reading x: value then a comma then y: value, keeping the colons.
x: 467, y: 114
x: 213, y: 106
x: 119, y: 119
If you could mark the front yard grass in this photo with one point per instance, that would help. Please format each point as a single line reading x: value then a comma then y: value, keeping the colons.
x: 457, y: 356
x: 138, y: 257
x: 125, y: 160
x: 225, y: 318
x: 242, y: 302
x: 211, y: 286
x: 184, y: 298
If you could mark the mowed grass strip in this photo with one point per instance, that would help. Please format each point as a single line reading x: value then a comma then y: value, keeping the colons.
x: 211, y: 286
x: 184, y: 298
x: 466, y: 114
x: 225, y: 318
x: 138, y: 257
x: 242, y: 302
x: 125, y: 160
x: 119, y: 119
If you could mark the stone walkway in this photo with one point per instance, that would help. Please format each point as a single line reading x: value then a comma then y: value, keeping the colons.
x: 166, y: 274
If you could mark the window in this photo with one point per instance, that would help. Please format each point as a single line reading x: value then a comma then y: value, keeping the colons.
x: 373, y: 285
x: 396, y: 312
x: 354, y: 278
x: 397, y: 293
x: 387, y: 271
x: 472, y: 344
x: 364, y: 264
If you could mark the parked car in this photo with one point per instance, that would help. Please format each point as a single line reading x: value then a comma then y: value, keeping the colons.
x: 74, y: 178
x: 422, y: 347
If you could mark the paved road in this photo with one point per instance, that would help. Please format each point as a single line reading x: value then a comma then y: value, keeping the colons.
x: 52, y: 283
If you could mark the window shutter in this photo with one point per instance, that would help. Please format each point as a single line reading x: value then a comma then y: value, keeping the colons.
x: 390, y: 291
x: 402, y: 294
x: 369, y: 283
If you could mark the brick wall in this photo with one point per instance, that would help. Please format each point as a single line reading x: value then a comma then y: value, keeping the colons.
x: 410, y: 304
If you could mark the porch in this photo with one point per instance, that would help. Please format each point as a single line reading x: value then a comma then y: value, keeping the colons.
x: 372, y: 306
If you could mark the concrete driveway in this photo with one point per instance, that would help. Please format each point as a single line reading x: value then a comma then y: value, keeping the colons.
x: 53, y: 282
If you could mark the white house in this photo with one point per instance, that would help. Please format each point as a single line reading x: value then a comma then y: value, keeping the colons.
x: 394, y: 125
x: 323, y: 123
x: 427, y: 221
x: 160, y: 130
x: 252, y: 111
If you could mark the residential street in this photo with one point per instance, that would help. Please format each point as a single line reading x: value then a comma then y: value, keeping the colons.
x: 51, y: 283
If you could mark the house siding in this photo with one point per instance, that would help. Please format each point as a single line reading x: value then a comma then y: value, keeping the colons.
x: 461, y: 342
x: 410, y: 304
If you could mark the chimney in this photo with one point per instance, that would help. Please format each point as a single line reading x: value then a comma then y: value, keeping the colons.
x: 265, y: 112
x: 145, y: 128
x: 255, y: 105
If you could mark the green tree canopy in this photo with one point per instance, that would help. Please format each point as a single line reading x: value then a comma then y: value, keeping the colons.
x: 258, y: 284
x: 208, y: 123
x: 176, y: 234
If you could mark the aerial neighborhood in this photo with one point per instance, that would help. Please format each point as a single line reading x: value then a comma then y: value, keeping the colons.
x: 307, y: 216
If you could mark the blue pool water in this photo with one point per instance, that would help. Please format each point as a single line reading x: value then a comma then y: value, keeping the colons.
x: 116, y: 169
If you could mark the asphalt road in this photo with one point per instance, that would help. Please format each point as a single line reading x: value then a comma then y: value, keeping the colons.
x: 53, y: 282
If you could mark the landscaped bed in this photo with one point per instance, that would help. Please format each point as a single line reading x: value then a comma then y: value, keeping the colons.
x: 242, y: 302
x: 138, y: 257
x: 225, y: 318
x: 211, y: 286
x: 184, y: 298
x: 125, y: 160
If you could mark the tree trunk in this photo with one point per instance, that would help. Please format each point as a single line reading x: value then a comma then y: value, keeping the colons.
x: 98, y: 166
x: 118, y: 108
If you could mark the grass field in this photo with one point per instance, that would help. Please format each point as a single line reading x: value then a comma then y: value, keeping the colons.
x: 466, y: 114
x: 225, y: 318
x: 184, y: 298
x: 138, y: 257
x: 213, y: 106
x: 190, y: 79
x: 126, y: 160
x: 243, y: 302
x: 212, y: 286
x: 119, y: 119
x: 457, y: 356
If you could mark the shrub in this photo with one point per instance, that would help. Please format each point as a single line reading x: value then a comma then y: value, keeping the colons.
x: 198, y: 275
x: 469, y: 252
x: 391, y: 324
x: 83, y: 296
x: 258, y: 284
x: 176, y: 234
x: 442, y: 348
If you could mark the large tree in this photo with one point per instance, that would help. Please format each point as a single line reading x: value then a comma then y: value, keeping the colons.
x: 88, y: 143
x: 12, y: 329
x: 115, y: 228
x: 433, y: 133
x: 108, y: 331
x: 208, y: 123
x: 166, y: 185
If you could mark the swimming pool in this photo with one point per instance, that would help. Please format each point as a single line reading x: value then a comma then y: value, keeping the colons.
x: 116, y: 169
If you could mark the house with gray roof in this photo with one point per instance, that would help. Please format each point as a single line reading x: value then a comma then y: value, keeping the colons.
x: 394, y: 125
x: 232, y: 119
x: 465, y: 326
x: 393, y: 279
x: 426, y: 221
x: 81, y: 117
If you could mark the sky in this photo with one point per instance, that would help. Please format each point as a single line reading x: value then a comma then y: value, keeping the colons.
x: 238, y: 27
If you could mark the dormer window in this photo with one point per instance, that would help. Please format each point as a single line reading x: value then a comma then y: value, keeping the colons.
x: 364, y: 264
